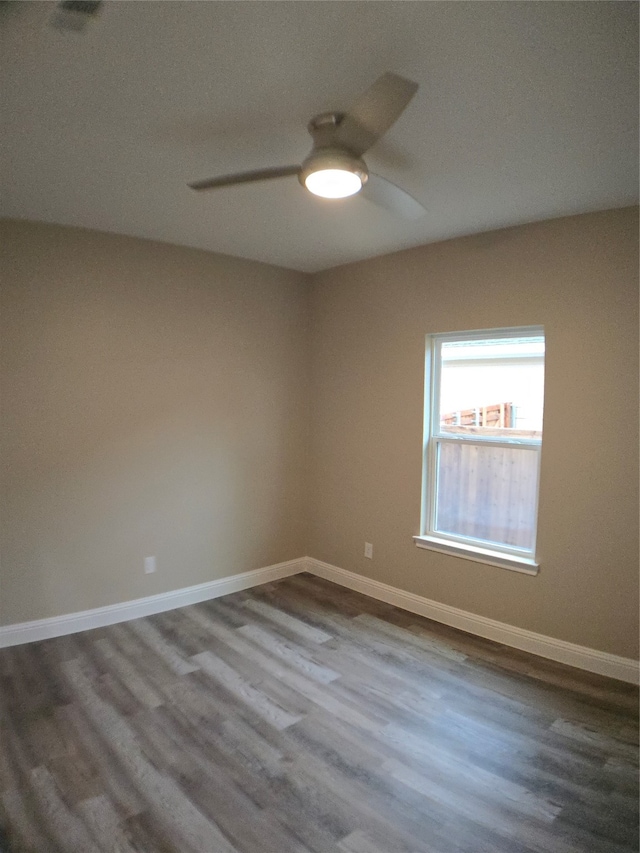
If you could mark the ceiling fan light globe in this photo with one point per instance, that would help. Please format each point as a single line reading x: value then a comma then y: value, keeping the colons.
x: 333, y: 183
x: 333, y: 173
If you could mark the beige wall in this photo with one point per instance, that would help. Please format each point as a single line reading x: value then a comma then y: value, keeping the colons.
x: 579, y: 278
x: 154, y: 402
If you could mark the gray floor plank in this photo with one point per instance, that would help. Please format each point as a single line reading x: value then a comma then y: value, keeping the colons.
x: 299, y: 717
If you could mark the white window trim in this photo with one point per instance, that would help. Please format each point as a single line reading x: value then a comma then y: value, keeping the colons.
x: 526, y: 565
x: 515, y: 559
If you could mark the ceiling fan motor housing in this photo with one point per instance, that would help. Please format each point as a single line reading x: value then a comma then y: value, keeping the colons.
x: 326, y: 154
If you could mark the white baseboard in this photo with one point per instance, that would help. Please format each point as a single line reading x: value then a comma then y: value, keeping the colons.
x: 624, y: 669
x: 57, y: 626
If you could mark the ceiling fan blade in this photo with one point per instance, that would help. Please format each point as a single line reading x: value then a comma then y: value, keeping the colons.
x: 375, y: 112
x: 245, y: 177
x: 383, y: 193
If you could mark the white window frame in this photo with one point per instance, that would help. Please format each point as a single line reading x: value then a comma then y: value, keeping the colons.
x: 504, y: 556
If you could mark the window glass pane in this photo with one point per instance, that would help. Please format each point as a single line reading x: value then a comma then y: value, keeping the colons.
x: 492, y: 387
x: 487, y: 492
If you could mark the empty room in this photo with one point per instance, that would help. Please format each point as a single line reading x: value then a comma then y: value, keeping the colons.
x: 319, y: 427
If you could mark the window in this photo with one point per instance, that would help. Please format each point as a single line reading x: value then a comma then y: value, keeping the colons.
x: 483, y: 437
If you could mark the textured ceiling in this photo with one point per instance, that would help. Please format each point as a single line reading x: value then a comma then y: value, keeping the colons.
x: 525, y: 111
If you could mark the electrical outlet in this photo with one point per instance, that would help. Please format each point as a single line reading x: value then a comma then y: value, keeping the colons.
x: 368, y: 550
x: 149, y: 565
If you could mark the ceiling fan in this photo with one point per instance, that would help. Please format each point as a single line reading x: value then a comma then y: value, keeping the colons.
x: 335, y: 168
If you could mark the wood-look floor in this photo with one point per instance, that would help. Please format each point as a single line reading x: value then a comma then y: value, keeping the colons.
x: 299, y: 717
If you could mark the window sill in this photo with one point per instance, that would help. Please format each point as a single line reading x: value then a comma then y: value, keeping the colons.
x: 478, y: 555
